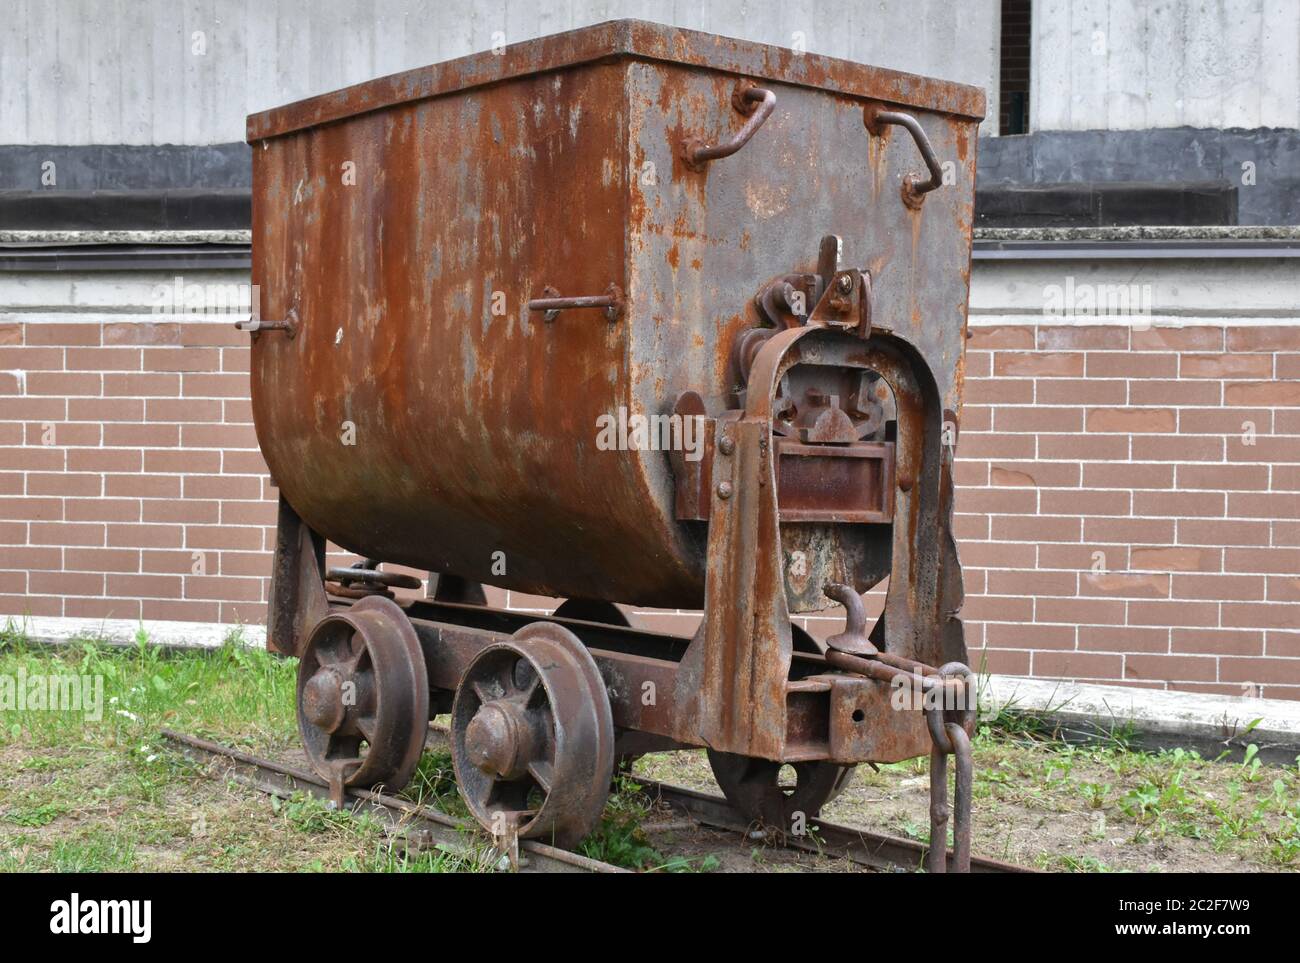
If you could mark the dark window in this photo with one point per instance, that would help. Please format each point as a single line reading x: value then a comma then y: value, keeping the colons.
x: 1013, y: 108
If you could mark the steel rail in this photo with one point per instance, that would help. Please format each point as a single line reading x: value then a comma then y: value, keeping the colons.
x: 871, y: 850
x: 430, y: 825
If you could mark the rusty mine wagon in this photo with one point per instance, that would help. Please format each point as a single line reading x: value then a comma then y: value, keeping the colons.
x: 622, y: 221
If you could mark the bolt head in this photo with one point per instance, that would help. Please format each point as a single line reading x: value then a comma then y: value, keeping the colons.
x: 724, y: 489
x: 726, y: 445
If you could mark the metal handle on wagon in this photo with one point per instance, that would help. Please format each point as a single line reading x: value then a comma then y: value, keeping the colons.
x: 611, y: 301
x: 757, y: 102
x: 255, y: 325
x: 914, y: 189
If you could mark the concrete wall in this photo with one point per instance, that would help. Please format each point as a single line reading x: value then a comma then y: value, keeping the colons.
x: 1134, y: 64
x: 170, y: 72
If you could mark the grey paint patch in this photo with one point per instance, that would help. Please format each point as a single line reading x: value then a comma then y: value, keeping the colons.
x: 120, y: 167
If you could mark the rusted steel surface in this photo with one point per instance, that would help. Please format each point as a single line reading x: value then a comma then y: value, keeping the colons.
x: 475, y: 432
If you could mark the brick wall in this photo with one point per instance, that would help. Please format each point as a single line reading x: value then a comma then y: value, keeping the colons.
x: 1118, y: 519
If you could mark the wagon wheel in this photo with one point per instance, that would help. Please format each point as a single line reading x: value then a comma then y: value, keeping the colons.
x: 363, y: 697
x: 532, y: 736
x: 593, y: 610
x: 606, y: 613
x: 761, y: 791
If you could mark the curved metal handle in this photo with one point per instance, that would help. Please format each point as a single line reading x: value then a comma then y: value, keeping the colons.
x: 255, y: 326
x: 914, y: 189
x: 757, y: 102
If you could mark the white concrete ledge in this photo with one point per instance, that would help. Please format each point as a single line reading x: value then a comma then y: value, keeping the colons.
x: 1154, y: 718
x: 51, y: 630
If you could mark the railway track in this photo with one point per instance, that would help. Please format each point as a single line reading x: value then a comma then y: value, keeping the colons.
x: 424, y: 826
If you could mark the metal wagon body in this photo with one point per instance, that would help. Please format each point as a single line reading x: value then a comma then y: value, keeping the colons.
x: 495, y: 290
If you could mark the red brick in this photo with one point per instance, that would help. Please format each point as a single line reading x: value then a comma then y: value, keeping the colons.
x: 1262, y: 338
x: 1124, y: 585
x: 32, y: 509
x: 1038, y: 584
x: 1028, y: 635
x: 1181, y: 448
x: 1171, y: 667
x: 1194, y: 531
x: 1080, y: 611
x: 1003, y: 661
x: 987, y: 338
x: 1038, y: 418
x: 1226, y: 366
x: 1217, y: 641
x: 144, y: 536
x: 1175, y: 559
x: 145, y: 586
x: 1128, y: 474
x: 63, y: 533
x: 1117, y: 638
x: 1077, y: 665
x: 183, y: 409
x: 143, y: 486
x: 1223, y: 477
x: 102, y: 359
x: 1127, y: 365
x: 1011, y: 528
x: 1285, y: 478
x: 34, y: 409
x: 1285, y: 671
x: 1271, y: 450
x: 31, y: 359
x: 966, y: 527
x: 1038, y: 364
x: 11, y: 334
x: 1260, y: 615
x: 182, y: 462
x: 88, y: 607
x: 213, y: 333
x: 179, y: 610
x: 49, y: 558
x: 141, y: 436
x: 212, y: 536
x: 1191, y: 338
x: 997, y: 501
x: 50, y: 605
x: 1082, y: 558
x: 65, y: 483
x: 976, y: 418
x: 1283, y: 588
x: 240, y: 360
x: 102, y: 559
x: 1153, y: 392
x: 1156, y: 612
x: 1270, y: 561
x: 31, y: 458
x: 181, y: 359
x: 1288, y: 366
x: 242, y: 463
x: 1044, y: 474
x: 1132, y: 420
x: 181, y: 510
x: 1080, y: 391
x: 1264, y: 505
x: 1083, y: 447
x: 102, y: 510
x: 985, y: 608
x: 216, y: 386
x: 1061, y: 502
x: 976, y: 445
x: 149, y: 385
x: 65, y: 583
x: 1269, y: 393
x: 141, y: 332
x: 1176, y: 504
x: 1286, y: 644
x: 220, y: 436
x: 63, y: 333
x: 1129, y: 531
x: 979, y: 365
x: 105, y: 409
x: 249, y: 513
x: 1114, y: 337
x: 1219, y: 588
x: 1007, y: 391
x: 998, y: 554
x: 63, y: 383
x: 1224, y: 421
